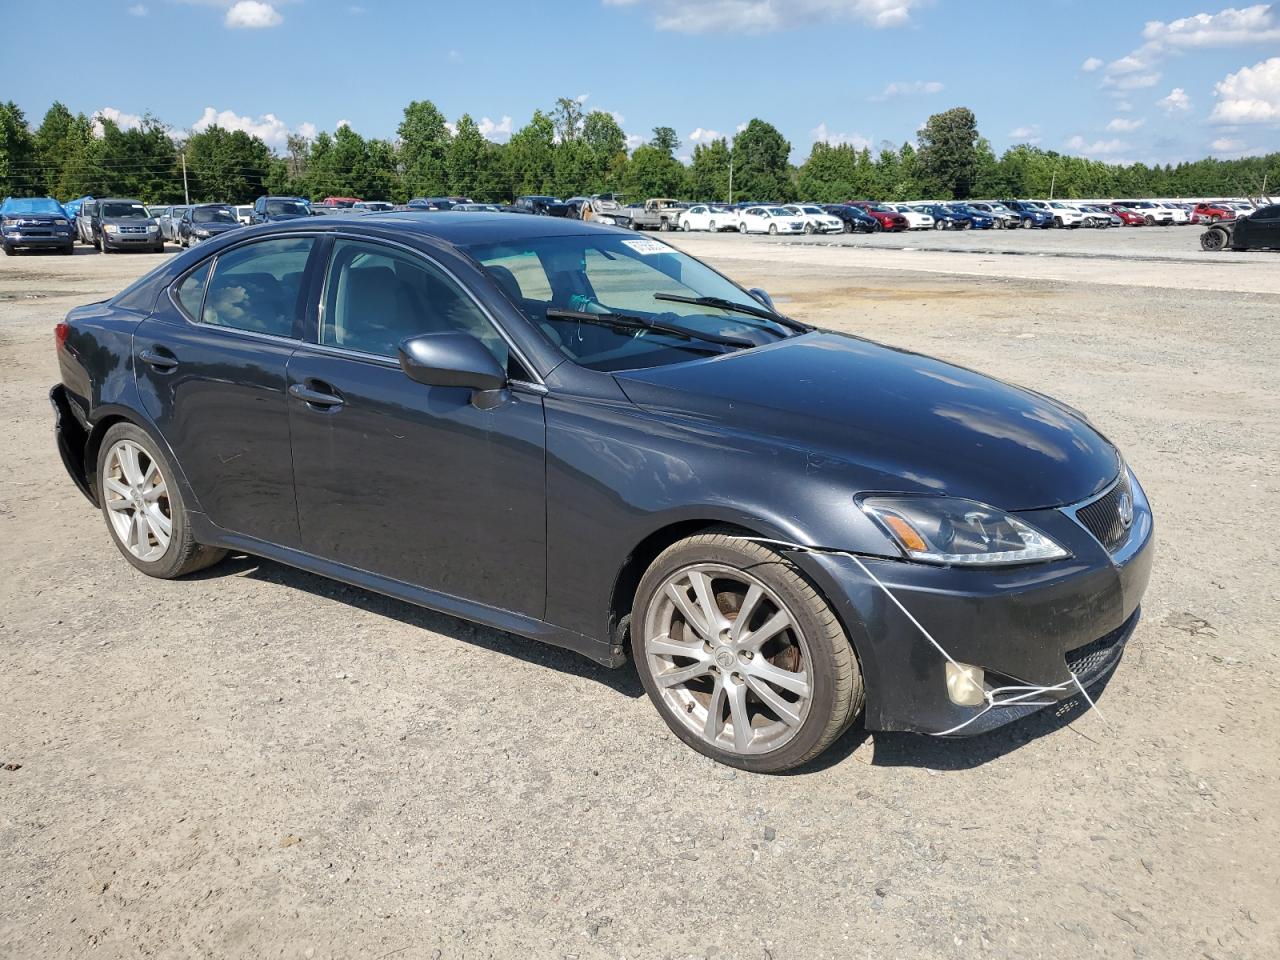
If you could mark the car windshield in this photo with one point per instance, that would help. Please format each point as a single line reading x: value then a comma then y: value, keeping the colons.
x: 213, y: 215
x: 780, y: 212
x: 605, y: 273
x: 812, y: 210
x: 282, y: 208
x: 123, y: 211
x: 16, y: 205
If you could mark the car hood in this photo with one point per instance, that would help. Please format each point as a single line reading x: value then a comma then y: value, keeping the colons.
x: 903, y: 420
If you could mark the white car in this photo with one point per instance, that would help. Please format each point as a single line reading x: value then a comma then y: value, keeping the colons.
x: 244, y: 214
x: 916, y: 219
x: 769, y: 220
x: 816, y: 220
x: 1064, y: 214
x: 709, y: 216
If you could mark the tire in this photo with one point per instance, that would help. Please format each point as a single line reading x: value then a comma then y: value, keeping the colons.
x: 968, y: 225
x: 158, y: 248
x: 1027, y: 224
x: 685, y: 227
x: 127, y: 484
x: 773, y: 229
x: 711, y: 226
x: 808, y: 228
x: 1213, y: 220
x: 8, y: 250
x: 939, y: 224
x: 68, y: 250
x: 1057, y: 222
x: 1214, y: 239
x: 813, y: 642
x: 103, y: 245
x: 665, y: 225
x: 1149, y: 220
x: 742, y: 228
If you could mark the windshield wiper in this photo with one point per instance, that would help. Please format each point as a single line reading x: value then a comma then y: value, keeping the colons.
x: 764, y: 313
x: 631, y: 321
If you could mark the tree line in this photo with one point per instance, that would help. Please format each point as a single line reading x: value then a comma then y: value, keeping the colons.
x: 565, y: 151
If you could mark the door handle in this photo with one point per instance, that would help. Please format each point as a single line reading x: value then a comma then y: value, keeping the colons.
x: 162, y: 362
x: 316, y: 398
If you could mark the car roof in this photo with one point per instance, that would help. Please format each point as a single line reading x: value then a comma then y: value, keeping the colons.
x: 460, y: 229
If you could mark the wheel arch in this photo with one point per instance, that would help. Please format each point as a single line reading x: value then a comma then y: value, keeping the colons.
x: 107, y: 417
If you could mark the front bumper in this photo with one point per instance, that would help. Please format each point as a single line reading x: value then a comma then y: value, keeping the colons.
x: 1032, y: 625
x: 43, y: 240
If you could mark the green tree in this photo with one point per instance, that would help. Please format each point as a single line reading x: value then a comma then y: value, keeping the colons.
x: 226, y: 165
x: 472, y: 162
x: 606, y: 152
x: 19, y: 159
x: 567, y: 119
x: 665, y: 139
x: 652, y: 172
x: 424, y: 145
x: 829, y: 174
x: 65, y: 149
x: 761, y: 170
x: 531, y: 156
x: 948, y: 155
x: 141, y: 162
x: 708, y: 176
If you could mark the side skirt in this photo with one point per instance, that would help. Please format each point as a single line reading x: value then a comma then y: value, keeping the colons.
x: 504, y: 620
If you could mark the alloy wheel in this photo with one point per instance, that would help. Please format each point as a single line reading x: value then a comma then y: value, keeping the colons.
x: 136, y: 496
x: 728, y: 658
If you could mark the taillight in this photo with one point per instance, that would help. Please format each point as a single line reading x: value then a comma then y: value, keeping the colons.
x: 60, y: 333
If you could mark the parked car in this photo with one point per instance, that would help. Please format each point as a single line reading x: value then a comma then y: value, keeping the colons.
x: 916, y: 219
x: 86, y: 230
x: 343, y: 202
x: 606, y: 209
x: 476, y: 208
x: 1099, y: 217
x: 244, y: 213
x: 854, y: 219
x: 709, y: 216
x: 890, y: 220
x: 1128, y: 218
x: 168, y: 221
x: 373, y: 206
x: 816, y: 220
x: 1259, y: 230
x: 204, y: 221
x: 772, y: 220
x: 972, y: 217
x: 542, y: 206
x: 1156, y: 214
x: 659, y: 213
x: 276, y: 209
x: 1004, y: 217
x: 753, y: 529
x: 1064, y: 214
x: 125, y: 225
x: 1213, y: 211
x: 945, y: 218
x: 35, y: 223
x: 1030, y: 214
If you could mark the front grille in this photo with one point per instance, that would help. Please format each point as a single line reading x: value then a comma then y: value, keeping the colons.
x: 1104, y: 519
x: 133, y: 229
x: 1094, y: 658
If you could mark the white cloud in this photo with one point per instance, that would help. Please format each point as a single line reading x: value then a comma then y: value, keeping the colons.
x: 1124, y: 125
x: 1250, y: 95
x: 252, y: 15
x: 908, y: 88
x: 766, y: 16
x: 341, y: 123
x: 703, y: 135
x: 1176, y: 102
x: 635, y: 140
x: 1124, y: 106
x: 1092, y: 64
x: 1027, y: 134
x: 1229, y: 28
x: 1098, y: 148
x: 856, y: 140
x: 1227, y: 145
x: 497, y: 131
x: 269, y: 128
x: 138, y: 10
x: 740, y: 127
x: 125, y: 121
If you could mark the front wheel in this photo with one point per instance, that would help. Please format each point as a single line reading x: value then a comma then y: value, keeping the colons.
x: 773, y: 229
x: 743, y: 658
x: 742, y: 228
x: 711, y: 226
x: 1214, y: 239
x: 143, y: 506
x: 939, y: 224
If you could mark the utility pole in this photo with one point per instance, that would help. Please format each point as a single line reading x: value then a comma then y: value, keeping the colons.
x: 185, y: 192
x: 1052, y: 182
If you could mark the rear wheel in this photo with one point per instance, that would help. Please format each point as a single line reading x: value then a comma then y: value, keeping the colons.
x: 743, y: 658
x: 773, y: 229
x: 1213, y: 239
x: 143, y: 506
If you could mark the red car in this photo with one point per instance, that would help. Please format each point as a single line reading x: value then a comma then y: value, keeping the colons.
x: 1213, y: 212
x: 890, y: 220
x: 339, y: 201
x: 1130, y: 217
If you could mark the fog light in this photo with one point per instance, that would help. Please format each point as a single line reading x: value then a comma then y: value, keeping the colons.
x: 964, y: 684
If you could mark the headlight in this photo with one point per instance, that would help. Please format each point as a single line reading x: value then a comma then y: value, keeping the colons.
x: 201, y: 232
x: 948, y: 530
x: 607, y: 220
x: 110, y: 227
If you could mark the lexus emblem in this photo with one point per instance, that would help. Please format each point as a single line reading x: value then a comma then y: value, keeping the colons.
x: 1125, y: 509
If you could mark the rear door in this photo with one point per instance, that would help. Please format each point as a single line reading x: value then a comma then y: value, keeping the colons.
x: 405, y: 480
x: 210, y: 366
x: 1260, y: 229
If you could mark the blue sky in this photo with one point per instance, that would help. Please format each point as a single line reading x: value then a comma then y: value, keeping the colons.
x: 1120, y: 80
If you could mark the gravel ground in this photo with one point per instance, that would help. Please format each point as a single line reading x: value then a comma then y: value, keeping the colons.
x: 259, y: 763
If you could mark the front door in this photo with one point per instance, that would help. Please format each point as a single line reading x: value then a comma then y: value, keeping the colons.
x: 210, y: 366
x: 405, y: 480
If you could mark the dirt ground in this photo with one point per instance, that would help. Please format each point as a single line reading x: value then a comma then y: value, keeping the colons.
x: 259, y: 763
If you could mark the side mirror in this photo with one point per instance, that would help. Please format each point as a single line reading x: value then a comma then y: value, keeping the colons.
x: 454, y: 360
x: 763, y: 298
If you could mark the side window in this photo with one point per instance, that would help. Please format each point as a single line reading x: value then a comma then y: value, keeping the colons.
x: 258, y: 286
x: 1268, y: 213
x: 190, y: 290
x: 376, y: 296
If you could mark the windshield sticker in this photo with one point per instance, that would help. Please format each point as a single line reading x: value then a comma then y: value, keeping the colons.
x: 646, y: 247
